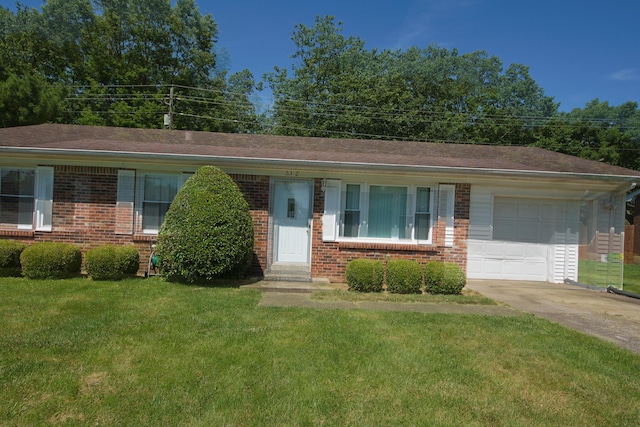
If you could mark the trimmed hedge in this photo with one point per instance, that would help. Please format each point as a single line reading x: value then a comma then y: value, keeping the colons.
x: 49, y: 260
x: 404, y: 276
x: 208, y: 230
x: 365, y: 275
x: 10, y: 251
x: 444, y: 278
x: 111, y: 262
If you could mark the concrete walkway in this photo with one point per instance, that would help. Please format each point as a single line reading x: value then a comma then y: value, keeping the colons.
x: 611, y: 317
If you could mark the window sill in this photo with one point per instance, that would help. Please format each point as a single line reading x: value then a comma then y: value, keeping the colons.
x: 145, y: 237
x: 388, y: 246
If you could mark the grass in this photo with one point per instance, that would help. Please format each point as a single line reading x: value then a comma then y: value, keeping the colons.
x: 632, y: 278
x: 148, y: 352
x: 467, y: 297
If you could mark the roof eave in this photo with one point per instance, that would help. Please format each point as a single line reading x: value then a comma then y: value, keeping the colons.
x: 127, y: 156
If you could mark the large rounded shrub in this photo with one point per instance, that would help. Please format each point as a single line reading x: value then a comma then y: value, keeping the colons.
x: 444, y: 278
x: 208, y: 230
x: 10, y: 251
x: 404, y: 276
x: 48, y: 260
x: 111, y: 262
x: 365, y: 275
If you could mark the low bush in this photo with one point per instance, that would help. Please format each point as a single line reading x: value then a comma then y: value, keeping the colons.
x: 10, y: 251
x: 111, y: 262
x: 404, y: 276
x: 49, y: 260
x: 444, y: 278
x: 365, y: 275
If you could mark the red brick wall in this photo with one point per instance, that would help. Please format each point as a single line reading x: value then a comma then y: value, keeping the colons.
x: 256, y: 192
x: 84, y: 213
x: 330, y: 259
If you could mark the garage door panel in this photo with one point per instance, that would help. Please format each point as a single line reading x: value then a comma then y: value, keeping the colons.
x: 539, y: 252
x: 494, y: 250
x: 492, y: 267
x: 528, y: 211
x: 526, y: 232
x: 505, y: 210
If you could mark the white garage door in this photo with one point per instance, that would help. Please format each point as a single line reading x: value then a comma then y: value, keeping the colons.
x: 532, y: 239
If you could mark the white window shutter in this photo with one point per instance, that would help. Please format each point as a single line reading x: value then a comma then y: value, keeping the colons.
x: 331, y: 215
x: 125, y: 200
x: 446, y: 206
x: 44, y: 198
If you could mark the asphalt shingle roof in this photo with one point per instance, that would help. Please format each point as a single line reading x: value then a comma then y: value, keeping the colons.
x: 94, y: 139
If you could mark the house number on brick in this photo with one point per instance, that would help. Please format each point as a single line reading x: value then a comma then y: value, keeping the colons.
x: 292, y: 173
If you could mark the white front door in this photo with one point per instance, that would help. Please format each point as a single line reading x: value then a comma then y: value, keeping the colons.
x: 292, y: 220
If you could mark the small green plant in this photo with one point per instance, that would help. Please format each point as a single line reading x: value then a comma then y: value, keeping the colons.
x: 10, y: 251
x: 444, y: 278
x: 365, y: 275
x: 111, y: 262
x: 404, y: 276
x: 48, y: 260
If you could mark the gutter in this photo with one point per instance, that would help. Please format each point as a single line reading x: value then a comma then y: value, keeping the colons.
x: 316, y: 164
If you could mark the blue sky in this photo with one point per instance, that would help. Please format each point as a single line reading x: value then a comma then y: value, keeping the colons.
x: 577, y: 50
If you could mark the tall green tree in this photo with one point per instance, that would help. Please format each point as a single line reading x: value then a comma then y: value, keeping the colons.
x: 598, y: 131
x: 337, y: 87
x: 117, y: 61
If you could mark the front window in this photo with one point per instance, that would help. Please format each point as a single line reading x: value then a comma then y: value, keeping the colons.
x: 17, y: 197
x: 158, y: 193
x: 386, y: 212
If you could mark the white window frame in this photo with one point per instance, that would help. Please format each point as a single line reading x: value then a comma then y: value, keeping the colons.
x: 41, y: 216
x: 140, y: 196
x: 412, y: 191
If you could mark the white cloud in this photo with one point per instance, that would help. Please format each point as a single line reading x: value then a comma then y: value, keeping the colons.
x: 625, y: 75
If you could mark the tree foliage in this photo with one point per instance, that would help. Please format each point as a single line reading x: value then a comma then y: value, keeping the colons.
x: 118, y: 60
x: 337, y: 87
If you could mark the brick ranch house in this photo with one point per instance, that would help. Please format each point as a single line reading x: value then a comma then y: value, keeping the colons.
x: 517, y: 213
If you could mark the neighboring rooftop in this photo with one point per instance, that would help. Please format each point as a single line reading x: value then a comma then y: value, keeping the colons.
x: 96, y: 139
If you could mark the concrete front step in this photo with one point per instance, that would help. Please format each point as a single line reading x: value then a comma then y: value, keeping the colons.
x: 287, y: 276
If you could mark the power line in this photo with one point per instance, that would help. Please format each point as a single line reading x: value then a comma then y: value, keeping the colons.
x: 239, y: 101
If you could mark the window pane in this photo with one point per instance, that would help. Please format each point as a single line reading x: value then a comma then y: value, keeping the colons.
x: 16, y: 197
x: 351, y: 223
x: 422, y: 226
x: 387, y: 211
x: 423, y: 200
x: 159, y: 192
x: 17, y: 182
x: 153, y: 216
x: 160, y: 188
x: 353, y: 197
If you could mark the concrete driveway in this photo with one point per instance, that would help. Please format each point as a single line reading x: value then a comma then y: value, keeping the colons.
x: 612, y: 317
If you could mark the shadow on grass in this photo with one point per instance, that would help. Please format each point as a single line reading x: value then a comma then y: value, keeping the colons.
x: 216, y: 283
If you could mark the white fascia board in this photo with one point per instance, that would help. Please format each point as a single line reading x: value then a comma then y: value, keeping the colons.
x: 151, y: 158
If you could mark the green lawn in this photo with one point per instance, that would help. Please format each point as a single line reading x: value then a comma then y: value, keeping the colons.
x: 632, y: 278
x: 147, y: 352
